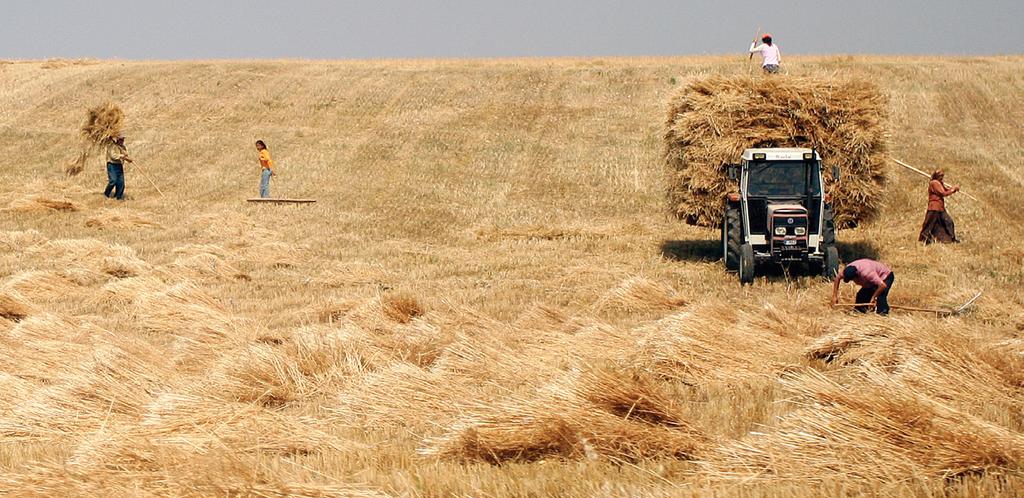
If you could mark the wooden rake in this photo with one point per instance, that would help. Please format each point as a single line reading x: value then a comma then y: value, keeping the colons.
x: 959, y: 310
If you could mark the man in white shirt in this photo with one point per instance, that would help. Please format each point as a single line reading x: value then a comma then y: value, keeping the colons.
x: 770, y: 55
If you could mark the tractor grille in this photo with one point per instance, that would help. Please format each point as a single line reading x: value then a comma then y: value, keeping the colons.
x: 789, y: 246
x: 758, y: 210
x: 790, y: 222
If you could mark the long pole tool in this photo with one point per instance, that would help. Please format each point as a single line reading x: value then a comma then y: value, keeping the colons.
x: 139, y: 170
x: 758, y: 35
x: 959, y: 310
x: 926, y: 175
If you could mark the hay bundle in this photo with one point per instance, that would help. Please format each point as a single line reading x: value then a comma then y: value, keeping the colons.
x: 12, y: 308
x: 1008, y: 358
x: 102, y: 124
x: 38, y: 285
x: 108, y: 385
x: 545, y: 320
x: 710, y: 345
x: 20, y: 240
x: 385, y: 310
x: 120, y: 219
x: 641, y: 294
x: 89, y: 254
x: 600, y: 413
x: 937, y: 360
x: 121, y: 292
x: 115, y: 378
x: 401, y: 308
x: 387, y: 328
x: 206, y: 265
x: 874, y: 429
x: 202, y: 423
x: 39, y: 204
x: 842, y: 344
x: 112, y: 463
x: 712, y: 120
x: 273, y: 375
x: 401, y: 395
x: 197, y: 322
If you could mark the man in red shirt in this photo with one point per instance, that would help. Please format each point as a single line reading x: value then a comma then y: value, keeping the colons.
x: 938, y: 225
x: 874, y: 279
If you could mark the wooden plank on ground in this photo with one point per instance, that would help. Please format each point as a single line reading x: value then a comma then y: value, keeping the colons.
x: 282, y: 201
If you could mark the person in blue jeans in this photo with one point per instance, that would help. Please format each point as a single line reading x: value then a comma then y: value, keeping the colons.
x: 266, y: 169
x: 117, y: 155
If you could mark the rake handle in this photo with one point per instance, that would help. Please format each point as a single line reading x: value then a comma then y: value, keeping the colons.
x: 896, y: 307
x: 926, y: 175
x: 139, y: 171
x: 755, y: 41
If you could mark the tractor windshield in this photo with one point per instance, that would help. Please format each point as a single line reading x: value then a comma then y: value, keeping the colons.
x: 783, y: 179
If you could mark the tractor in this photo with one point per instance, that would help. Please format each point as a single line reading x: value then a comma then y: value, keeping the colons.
x: 780, y: 215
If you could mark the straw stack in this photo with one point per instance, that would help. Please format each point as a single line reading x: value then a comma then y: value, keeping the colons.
x: 712, y: 120
x: 102, y: 124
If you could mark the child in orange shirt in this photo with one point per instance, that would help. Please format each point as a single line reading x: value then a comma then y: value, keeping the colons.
x: 267, y: 167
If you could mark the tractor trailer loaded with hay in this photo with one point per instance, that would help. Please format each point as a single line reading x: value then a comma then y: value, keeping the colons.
x: 744, y: 156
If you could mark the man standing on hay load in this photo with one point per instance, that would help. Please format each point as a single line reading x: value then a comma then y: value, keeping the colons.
x: 874, y: 278
x: 771, y: 57
x: 117, y: 155
x: 938, y: 226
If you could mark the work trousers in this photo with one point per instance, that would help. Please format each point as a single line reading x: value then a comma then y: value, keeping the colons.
x: 937, y: 227
x: 265, y: 184
x: 115, y: 181
x: 882, y: 306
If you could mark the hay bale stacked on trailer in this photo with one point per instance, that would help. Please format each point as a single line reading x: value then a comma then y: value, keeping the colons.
x: 712, y: 120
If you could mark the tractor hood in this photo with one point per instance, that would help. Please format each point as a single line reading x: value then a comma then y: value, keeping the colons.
x: 792, y: 208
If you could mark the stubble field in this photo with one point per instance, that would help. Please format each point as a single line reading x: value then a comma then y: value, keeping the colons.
x: 489, y: 297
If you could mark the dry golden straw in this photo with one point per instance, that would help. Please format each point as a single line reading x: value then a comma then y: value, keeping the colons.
x: 712, y: 120
x: 102, y: 124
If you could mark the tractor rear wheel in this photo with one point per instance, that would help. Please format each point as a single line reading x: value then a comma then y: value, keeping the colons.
x: 828, y: 227
x: 731, y: 239
x: 746, y: 264
x: 831, y: 266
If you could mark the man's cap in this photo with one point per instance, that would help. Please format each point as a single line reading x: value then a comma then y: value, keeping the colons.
x: 849, y: 273
x: 766, y: 35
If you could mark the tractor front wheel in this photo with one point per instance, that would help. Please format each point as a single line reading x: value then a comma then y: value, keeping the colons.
x: 746, y: 264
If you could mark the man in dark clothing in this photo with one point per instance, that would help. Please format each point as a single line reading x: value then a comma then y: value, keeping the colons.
x: 938, y: 225
x: 874, y: 278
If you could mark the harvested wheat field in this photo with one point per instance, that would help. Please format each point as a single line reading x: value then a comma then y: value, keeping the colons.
x: 491, y: 295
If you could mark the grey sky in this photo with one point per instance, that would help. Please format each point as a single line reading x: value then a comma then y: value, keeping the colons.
x: 322, y: 29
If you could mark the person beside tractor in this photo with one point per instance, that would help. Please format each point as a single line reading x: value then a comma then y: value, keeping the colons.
x: 117, y: 155
x: 771, y: 57
x: 266, y: 169
x: 938, y: 225
x: 875, y: 280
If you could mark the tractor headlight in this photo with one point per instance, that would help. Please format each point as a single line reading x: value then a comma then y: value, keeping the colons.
x: 780, y: 230
x: 800, y: 231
